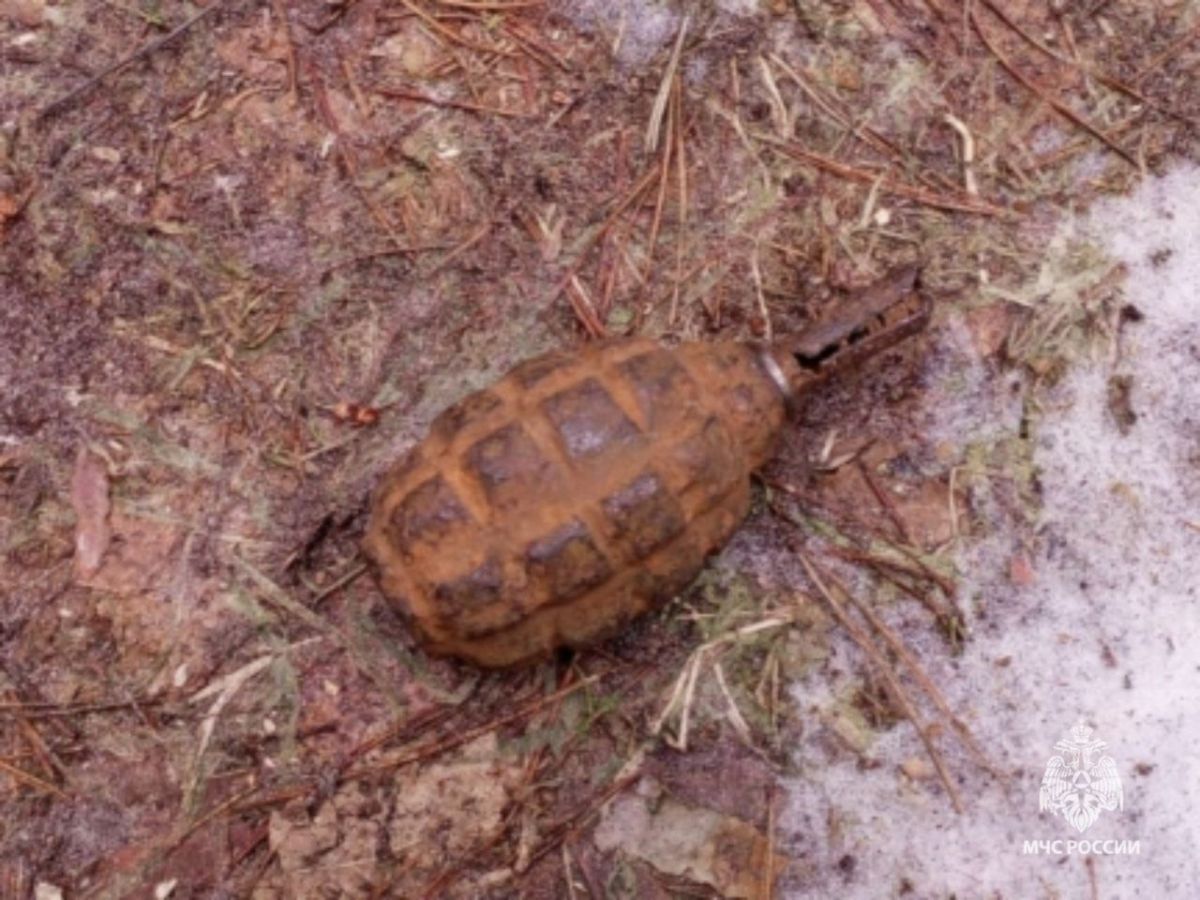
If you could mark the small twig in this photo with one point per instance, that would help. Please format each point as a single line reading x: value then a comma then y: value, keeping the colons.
x: 681, y: 202
x: 890, y: 677
x: 20, y: 775
x: 628, y: 200
x: 51, y: 764
x: 462, y: 248
x: 378, y: 254
x: 919, y: 674
x: 559, y: 831
x: 1108, y: 80
x: 922, y: 196
x: 133, y: 57
x: 1172, y: 50
x: 1057, y: 105
x: 458, y: 739
x: 531, y: 45
x: 349, y: 578
x: 347, y: 158
x: 768, y: 878
x: 408, y: 730
x: 839, y: 116
x: 277, y: 6
x: 216, y: 811
x: 886, y: 502
x: 491, y: 5
x: 919, y: 571
x: 450, y: 33
x: 661, y: 198
x: 425, y: 751
x: 60, y: 711
x: 416, y: 97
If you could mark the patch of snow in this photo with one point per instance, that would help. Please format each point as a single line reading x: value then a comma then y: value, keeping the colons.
x: 635, y: 29
x: 966, y: 384
x: 738, y: 7
x: 1107, y: 633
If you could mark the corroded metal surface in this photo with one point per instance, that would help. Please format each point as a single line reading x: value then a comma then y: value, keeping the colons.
x: 567, y: 498
x: 580, y: 489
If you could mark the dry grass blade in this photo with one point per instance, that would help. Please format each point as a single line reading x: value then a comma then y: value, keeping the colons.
x: 733, y: 713
x: 224, y: 689
x: 683, y: 691
x: 661, y: 199
x: 663, y: 97
x: 780, y: 113
x: 829, y: 107
x: 568, y: 875
x: 968, y: 152
x: 585, y: 309
x: 763, y: 309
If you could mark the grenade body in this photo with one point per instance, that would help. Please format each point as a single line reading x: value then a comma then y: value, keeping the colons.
x: 574, y: 494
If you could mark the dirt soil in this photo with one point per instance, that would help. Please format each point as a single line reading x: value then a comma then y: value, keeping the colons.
x: 249, y: 250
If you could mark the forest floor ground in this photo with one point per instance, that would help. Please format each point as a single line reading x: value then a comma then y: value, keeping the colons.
x: 249, y: 250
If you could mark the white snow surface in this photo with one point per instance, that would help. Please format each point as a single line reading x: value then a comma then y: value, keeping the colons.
x: 1108, y: 633
x: 635, y: 29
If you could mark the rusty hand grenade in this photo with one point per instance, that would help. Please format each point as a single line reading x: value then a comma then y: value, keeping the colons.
x: 582, y: 488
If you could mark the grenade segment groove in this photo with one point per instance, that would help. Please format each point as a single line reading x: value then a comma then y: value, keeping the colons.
x: 573, y: 494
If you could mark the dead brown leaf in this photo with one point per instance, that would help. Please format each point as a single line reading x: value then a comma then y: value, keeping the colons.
x: 89, y: 499
x: 699, y: 844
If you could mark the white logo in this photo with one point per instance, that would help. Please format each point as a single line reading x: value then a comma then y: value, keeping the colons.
x: 1081, y: 782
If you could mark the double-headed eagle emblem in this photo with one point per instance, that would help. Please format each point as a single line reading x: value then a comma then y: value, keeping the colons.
x: 1081, y: 782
